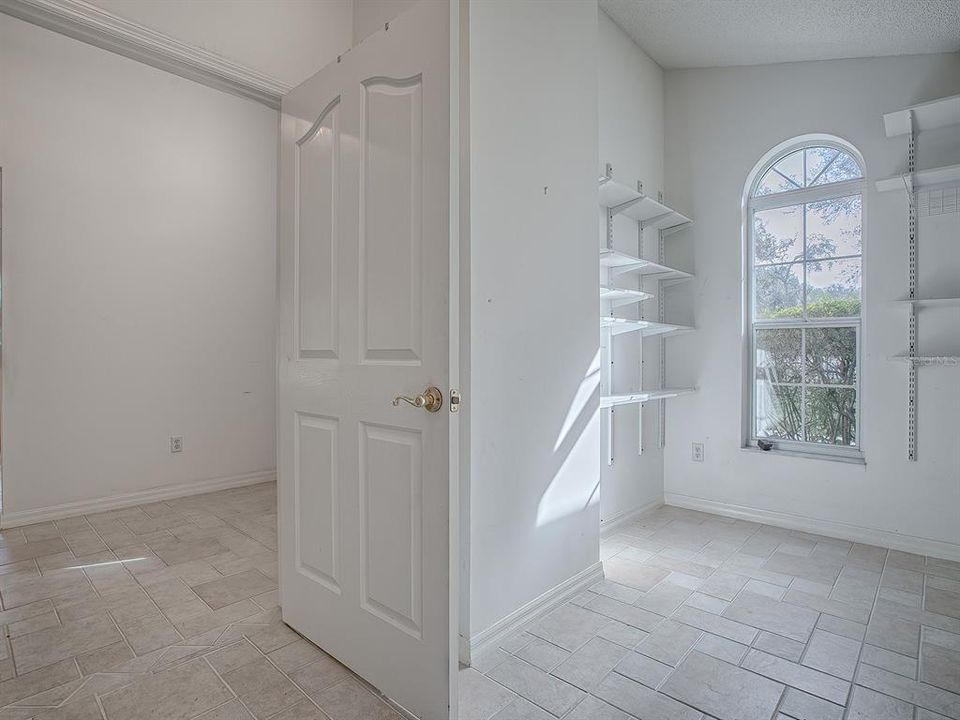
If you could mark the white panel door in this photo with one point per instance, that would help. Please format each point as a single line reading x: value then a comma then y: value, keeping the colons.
x: 364, y: 287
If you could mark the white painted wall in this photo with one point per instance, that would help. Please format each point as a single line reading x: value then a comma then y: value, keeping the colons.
x: 139, y: 232
x: 719, y: 123
x: 289, y: 40
x: 631, y: 139
x: 370, y: 15
x: 533, y: 399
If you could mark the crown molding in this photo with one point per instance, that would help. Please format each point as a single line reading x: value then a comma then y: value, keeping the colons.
x: 90, y: 24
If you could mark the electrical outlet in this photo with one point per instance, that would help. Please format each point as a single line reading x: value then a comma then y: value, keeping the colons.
x: 176, y: 443
x: 697, y: 454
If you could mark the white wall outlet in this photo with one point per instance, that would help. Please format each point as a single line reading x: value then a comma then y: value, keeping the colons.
x: 176, y: 443
x: 697, y: 453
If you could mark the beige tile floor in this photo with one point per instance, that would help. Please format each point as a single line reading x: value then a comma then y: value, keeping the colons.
x: 705, y: 617
x: 167, y: 610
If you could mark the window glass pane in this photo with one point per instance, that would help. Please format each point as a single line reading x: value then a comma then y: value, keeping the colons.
x: 771, y: 183
x: 778, y: 291
x: 778, y: 235
x: 833, y: 288
x: 791, y: 168
x: 778, y: 355
x: 817, y: 159
x: 834, y: 227
x: 831, y: 415
x: 843, y: 168
x: 831, y: 355
x: 778, y: 411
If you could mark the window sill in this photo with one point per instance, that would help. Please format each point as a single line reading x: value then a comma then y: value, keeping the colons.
x: 853, y: 458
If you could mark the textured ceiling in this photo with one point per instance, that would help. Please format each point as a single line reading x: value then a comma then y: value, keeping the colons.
x: 711, y: 33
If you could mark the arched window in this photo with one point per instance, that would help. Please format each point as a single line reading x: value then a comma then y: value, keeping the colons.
x: 804, y: 235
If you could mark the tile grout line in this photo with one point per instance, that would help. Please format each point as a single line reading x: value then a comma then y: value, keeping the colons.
x: 123, y: 565
x: 856, y: 669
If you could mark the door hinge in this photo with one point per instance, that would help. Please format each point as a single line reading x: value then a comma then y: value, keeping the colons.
x: 454, y: 400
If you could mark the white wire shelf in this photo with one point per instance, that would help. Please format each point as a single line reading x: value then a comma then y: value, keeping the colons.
x: 635, y: 398
x: 633, y: 204
x: 926, y: 116
x: 618, y: 297
x: 921, y: 179
x: 619, y: 262
x: 619, y: 326
x: 929, y: 302
x: 948, y: 360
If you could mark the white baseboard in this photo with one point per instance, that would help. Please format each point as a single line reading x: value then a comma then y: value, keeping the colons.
x: 463, y: 649
x: 614, y: 524
x: 831, y: 528
x: 18, y: 518
x: 488, y: 640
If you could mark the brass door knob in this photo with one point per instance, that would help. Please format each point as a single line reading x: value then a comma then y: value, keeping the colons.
x: 431, y: 400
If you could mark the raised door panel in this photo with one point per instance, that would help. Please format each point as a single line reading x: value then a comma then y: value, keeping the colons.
x: 391, y: 499
x: 391, y: 222
x: 317, y: 236
x: 316, y: 500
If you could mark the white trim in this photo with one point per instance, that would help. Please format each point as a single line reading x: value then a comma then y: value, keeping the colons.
x: 489, y: 639
x: 91, y: 24
x: 830, y: 528
x: 806, y: 195
x: 804, y: 450
x: 614, y: 524
x: 18, y: 518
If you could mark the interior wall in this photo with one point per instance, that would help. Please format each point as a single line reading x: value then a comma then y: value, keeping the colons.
x: 138, y: 266
x: 534, y: 515
x: 370, y: 15
x: 719, y: 124
x: 631, y: 139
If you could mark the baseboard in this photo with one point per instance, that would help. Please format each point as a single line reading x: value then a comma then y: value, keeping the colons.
x: 18, y: 518
x: 463, y: 649
x: 614, y: 524
x: 831, y: 528
x: 489, y: 639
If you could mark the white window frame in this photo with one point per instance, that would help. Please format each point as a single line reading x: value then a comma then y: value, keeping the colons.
x: 752, y: 204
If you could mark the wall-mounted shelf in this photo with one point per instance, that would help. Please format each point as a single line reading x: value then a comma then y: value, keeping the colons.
x: 640, y: 397
x: 650, y: 213
x: 619, y: 263
x: 921, y: 179
x: 929, y: 302
x: 619, y: 326
x: 618, y: 297
x: 920, y: 360
x: 926, y: 116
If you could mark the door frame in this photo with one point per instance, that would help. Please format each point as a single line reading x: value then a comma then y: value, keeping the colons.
x: 459, y: 342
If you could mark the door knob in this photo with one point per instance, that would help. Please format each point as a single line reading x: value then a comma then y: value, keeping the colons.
x: 431, y: 400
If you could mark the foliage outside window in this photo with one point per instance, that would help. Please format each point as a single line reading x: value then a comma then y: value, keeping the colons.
x: 805, y: 254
